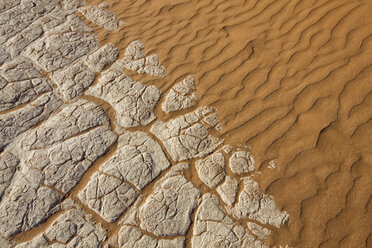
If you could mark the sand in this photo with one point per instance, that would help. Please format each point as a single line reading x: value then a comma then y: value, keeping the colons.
x: 291, y: 79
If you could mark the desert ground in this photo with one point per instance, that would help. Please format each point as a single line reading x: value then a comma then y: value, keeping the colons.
x: 185, y: 123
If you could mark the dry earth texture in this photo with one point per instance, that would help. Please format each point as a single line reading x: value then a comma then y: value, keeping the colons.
x: 182, y: 123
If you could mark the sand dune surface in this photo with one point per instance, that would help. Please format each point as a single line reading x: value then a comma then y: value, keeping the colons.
x: 288, y: 85
x: 291, y: 79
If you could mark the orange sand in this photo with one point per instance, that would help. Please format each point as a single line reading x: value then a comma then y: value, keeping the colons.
x: 291, y: 79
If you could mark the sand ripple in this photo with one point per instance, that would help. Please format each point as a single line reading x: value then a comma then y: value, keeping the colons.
x: 292, y: 79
